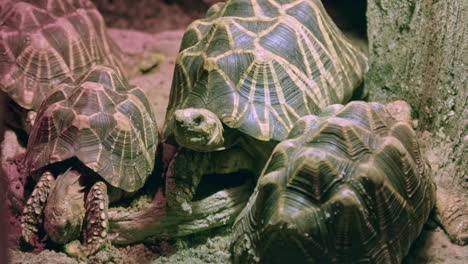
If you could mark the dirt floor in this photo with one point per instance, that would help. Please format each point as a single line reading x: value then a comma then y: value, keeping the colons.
x: 154, y: 29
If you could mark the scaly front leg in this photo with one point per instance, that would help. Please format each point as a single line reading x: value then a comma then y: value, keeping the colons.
x: 183, y: 177
x: 188, y: 168
x: 97, y: 226
x: 33, y: 212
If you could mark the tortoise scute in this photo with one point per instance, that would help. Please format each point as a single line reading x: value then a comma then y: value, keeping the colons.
x: 108, y: 130
x: 107, y: 76
x: 45, y: 42
x: 39, y: 143
x: 345, y: 191
x: 314, y: 173
x: 214, y: 9
x: 270, y: 62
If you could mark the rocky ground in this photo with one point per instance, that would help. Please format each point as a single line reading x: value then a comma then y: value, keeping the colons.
x: 142, y: 34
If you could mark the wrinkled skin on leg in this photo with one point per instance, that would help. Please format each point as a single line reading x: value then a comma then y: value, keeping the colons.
x: 452, y: 213
x: 188, y: 167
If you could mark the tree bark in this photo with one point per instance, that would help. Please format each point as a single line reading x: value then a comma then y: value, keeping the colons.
x: 417, y: 52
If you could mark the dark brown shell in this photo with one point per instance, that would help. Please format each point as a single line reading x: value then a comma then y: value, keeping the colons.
x: 346, y: 187
x: 101, y: 121
x: 45, y: 41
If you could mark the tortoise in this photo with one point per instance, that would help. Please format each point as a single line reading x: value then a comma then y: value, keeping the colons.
x: 244, y: 74
x: 97, y: 138
x: 44, y: 42
x: 347, y: 186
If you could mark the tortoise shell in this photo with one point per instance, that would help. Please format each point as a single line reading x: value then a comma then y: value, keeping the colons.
x: 346, y: 187
x: 260, y: 65
x: 101, y: 121
x: 44, y: 42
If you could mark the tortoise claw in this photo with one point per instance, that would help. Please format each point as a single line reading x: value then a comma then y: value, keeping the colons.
x: 34, y: 209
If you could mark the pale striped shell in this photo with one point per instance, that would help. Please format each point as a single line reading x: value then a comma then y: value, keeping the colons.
x: 260, y: 65
x: 45, y: 41
x: 347, y: 187
x: 103, y: 122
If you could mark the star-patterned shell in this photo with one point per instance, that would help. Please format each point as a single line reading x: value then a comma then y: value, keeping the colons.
x: 45, y: 41
x: 260, y: 65
x: 345, y: 187
x: 103, y: 122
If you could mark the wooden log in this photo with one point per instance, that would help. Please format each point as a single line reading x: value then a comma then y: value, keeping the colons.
x: 157, y: 221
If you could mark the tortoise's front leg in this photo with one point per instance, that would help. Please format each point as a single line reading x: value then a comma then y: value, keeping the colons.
x: 96, y: 224
x: 188, y: 167
x: 34, y: 210
x: 183, y: 177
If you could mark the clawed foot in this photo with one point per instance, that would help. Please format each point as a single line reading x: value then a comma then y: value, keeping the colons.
x: 452, y: 213
x: 97, y: 226
x: 95, y: 233
x: 33, y: 212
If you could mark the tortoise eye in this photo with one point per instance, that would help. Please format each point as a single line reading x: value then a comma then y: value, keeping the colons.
x: 198, y: 120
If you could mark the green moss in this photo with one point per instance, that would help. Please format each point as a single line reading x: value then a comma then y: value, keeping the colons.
x: 207, y: 247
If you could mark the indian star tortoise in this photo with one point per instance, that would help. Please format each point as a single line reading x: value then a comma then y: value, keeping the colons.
x: 347, y: 186
x: 96, y: 138
x: 245, y: 73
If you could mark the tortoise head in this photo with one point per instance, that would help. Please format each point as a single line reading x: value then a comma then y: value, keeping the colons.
x: 198, y: 129
x: 64, y: 211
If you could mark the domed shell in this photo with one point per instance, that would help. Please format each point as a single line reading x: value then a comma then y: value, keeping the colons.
x: 261, y: 65
x: 346, y: 187
x: 44, y: 42
x: 103, y: 122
